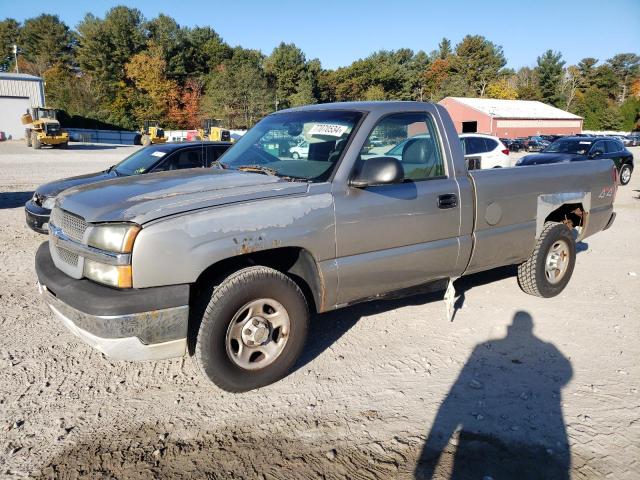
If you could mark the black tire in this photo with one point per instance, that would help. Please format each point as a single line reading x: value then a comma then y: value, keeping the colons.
x: 229, y: 297
x: 35, y: 141
x: 624, y: 171
x: 146, y: 140
x: 295, y: 155
x: 27, y: 134
x: 532, y: 276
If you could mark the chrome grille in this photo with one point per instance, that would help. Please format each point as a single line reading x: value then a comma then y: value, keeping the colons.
x: 67, y: 256
x: 72, y: 226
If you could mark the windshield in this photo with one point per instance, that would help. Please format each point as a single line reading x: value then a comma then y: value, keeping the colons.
x: 299, y: 145
x: 573, y: 146
x: 142, y: 161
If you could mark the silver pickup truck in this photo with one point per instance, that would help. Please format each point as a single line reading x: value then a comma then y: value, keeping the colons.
x: 227, y: 264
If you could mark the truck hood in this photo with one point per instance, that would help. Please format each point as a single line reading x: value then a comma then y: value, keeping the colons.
x: 52, y: 189
x: 143, y: 198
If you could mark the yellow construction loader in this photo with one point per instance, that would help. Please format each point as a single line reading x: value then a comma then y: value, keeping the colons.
x: 151, y: 132
x: 212, y: 131
x: 42, y: 128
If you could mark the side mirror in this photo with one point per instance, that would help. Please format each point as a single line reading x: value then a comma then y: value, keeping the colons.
x: 596, y: 154
x: 378, y: 171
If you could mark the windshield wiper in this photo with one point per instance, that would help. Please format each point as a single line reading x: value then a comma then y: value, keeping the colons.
x: 259, y: 169
x: 271, y: 172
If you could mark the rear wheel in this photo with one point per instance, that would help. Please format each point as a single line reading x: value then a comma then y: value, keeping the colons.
x: 549, y: 268
x: 625, y: 174
x: 253, y: 330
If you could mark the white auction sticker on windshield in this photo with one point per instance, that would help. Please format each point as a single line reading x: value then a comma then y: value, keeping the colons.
x: 327, y: 129
x: 159, y: 154
x: 585, y: 143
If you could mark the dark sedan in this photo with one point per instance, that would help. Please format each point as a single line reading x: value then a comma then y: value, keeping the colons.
x: 571, y: 149
x: 154, y: 158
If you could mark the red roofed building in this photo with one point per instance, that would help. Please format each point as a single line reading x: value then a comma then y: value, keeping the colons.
x: 510, y: 118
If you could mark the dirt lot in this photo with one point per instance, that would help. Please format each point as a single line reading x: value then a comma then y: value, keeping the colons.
x: 514, y: 387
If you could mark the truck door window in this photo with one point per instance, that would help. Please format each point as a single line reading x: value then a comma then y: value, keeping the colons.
x: 412, y: 139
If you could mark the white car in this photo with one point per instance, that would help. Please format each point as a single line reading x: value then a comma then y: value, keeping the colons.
x: 491, y: 152
x: 300, y: 151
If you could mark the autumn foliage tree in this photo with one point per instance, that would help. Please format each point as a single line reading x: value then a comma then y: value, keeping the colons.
x: 184, y: 105
x: 151, y: 93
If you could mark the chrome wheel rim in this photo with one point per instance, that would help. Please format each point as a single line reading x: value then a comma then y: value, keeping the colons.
x: 626, y: 175
x: 257, y: 334
x: 557, y: 261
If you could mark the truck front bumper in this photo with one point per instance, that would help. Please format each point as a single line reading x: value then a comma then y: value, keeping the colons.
x: 131, y: 324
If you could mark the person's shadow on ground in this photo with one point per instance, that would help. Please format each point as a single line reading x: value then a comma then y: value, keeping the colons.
x: 503, y: 416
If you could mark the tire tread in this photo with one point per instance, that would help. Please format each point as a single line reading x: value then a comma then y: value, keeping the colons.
x: 232, y: 282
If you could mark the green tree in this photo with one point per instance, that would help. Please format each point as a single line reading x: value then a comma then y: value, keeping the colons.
x: 70, y: 91
x: 105, y: 47
x: 630, y: 112
x: 45, y: 41
x: 625, y: 66
x: 611, y: 119
x: 479, y: 62
x: 444, y: 49
x: 9, y: 32
x: 238, y: 92
x: 304, y: 93
x: 286, y: 66
x: 550, y: 70
x: 591, y: 107
x: 204, y: 51
x: 375, y: 92
x: 587, y: 69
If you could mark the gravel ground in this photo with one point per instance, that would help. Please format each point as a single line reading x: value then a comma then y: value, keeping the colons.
x: 514, y: 387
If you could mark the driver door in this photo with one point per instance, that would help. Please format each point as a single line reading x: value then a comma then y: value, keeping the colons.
x: 395, y: 236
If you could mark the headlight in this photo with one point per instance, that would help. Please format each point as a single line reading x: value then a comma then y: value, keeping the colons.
x: 49, y: 202
x: 117, y: 237
x: 114, y: 276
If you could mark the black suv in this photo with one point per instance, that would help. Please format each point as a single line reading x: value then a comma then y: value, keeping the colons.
x: 154, y: 158
x: 571, y: 149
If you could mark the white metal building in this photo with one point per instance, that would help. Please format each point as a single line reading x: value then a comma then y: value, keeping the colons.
x: 18, y: 93
x: 510, y: 118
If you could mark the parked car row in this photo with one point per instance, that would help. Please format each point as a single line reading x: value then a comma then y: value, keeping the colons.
x: 577, y: 148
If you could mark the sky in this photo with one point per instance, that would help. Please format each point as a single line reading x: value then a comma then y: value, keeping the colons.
x: 339, y: 32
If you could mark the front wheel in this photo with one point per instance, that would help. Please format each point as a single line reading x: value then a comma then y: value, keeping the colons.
x: 295, y: 155
x: 625, y: 174
x: 35, y: 141
x: 253, y: 330
x: 549, y: 268
x: 145, y: 140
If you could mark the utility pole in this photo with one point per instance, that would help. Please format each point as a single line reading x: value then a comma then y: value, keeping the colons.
x: 15, y: 56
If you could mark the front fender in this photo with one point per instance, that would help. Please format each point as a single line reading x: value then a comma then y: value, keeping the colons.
x: 178, y: 249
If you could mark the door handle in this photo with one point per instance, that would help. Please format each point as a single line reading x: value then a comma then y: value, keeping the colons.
x: 448, y: 200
